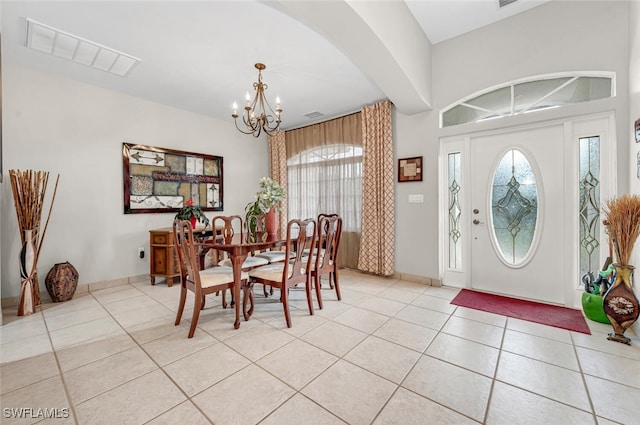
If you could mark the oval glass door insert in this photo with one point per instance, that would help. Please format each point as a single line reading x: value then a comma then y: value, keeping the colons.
x: 514, y: 207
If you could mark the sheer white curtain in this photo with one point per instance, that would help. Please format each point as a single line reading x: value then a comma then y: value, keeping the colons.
x: 324, y: 173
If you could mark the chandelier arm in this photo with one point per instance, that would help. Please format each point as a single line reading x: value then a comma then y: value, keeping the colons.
x: 242, y: 131
x: 246, y: 119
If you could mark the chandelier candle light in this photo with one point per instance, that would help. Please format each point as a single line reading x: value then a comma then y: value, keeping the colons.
x: 264, y: 118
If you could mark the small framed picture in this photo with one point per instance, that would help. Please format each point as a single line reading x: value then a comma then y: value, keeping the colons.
x: 636, y: 130
x: 410, y: 169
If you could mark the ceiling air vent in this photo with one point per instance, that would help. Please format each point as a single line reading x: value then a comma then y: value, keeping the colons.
x: 313, y: 115
x: 49, y: 40
x: 503, y: 3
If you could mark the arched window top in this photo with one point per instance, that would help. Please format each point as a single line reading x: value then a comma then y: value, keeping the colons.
x: 528, y: 95
x: 326, y: 153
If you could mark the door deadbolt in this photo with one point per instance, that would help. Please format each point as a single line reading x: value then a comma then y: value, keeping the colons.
x: 476, y: 211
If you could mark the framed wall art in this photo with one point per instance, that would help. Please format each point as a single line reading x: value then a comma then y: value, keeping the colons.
x: 636, y: 130
x: 410, y: 169
x: 158, y: 180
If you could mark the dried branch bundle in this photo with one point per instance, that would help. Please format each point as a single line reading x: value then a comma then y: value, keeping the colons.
x: 29, y: 189
x: 622, y: 215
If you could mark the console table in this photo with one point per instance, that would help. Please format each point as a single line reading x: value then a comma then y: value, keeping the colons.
x: 163, y: 259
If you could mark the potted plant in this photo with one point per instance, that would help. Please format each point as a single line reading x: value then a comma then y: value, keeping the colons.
x: 193, y: 213
x: 268, y: 198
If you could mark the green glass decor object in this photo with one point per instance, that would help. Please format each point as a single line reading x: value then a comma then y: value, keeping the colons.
x: 592, y: 307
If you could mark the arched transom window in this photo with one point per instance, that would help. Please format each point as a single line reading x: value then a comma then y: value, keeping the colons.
x: 529, y: 95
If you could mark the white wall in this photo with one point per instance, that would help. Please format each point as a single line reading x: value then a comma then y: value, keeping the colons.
x: 634, y: 104
x: 554, y: 37
x: 634, y: 114
x: 77, y: 130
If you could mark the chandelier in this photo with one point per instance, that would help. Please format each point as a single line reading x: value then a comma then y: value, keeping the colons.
x: 258, y: 115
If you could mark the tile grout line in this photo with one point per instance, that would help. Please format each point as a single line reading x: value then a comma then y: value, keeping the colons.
x: 137, y: 343
x: 495, y: 372
x: 338, y: 359
x: 62, y: 378
x: 546, y: 363
x: 296, y: 391
x: 584, y: 380
x: 423, y: 354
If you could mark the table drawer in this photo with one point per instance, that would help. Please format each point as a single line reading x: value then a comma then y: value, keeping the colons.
x: 161, y: 238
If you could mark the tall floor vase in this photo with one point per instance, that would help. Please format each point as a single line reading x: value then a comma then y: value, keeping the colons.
x: 28, y: 301
x: 620, y: 304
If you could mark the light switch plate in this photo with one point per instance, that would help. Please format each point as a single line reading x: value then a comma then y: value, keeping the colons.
x: 416, y: 199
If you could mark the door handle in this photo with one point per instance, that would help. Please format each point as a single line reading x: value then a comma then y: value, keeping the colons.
x: 476, y: 222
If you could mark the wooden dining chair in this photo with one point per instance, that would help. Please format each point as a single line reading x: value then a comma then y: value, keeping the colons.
x: 200, y: 282
x: 227, y: 233
x: 324, y: 261
x: 322, y: 248
x: 255, y: 226
x: 286, y: 274
x: 256, y: 230
x: 320, y: 216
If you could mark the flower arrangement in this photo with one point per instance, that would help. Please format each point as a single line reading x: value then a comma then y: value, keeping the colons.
x: 190, y: 210
x: 269, y: 195
x: 622, y: 218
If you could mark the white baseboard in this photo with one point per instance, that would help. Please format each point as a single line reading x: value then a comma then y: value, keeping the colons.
x: 82, y: 289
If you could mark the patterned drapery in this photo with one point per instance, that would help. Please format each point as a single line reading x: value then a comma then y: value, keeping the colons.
x: 377, y: 242
x: 278, y: 167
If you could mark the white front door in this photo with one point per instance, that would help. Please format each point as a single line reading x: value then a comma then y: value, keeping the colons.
x: 520, y: 207
x: 517, y: 213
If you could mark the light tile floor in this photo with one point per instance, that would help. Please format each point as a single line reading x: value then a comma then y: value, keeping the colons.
x: 392, y: 352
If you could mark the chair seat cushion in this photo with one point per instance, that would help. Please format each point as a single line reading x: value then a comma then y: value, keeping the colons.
x: 306, y: 251
x: 249, y: 263
x: 218, y: 276
x: 272, y: 256
x: 271, y: 272
x: 313, y: 262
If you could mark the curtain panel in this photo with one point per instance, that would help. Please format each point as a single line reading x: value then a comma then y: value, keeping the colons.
x: 377, y: 244
x: 278, y: 166
x: 347, y: 129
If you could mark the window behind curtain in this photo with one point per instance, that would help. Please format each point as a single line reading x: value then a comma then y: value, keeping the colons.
x: 327, y: 179
x: 324, y: 175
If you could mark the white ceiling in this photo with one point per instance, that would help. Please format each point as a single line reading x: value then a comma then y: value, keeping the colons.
x: 200, y: 56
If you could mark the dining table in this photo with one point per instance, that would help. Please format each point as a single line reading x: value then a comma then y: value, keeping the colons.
x: 238, y: 246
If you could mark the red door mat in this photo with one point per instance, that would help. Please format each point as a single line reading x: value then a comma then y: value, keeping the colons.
x: 551, y: 315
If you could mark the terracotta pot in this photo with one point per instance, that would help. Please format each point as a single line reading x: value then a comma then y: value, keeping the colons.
x: 271, y: 221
